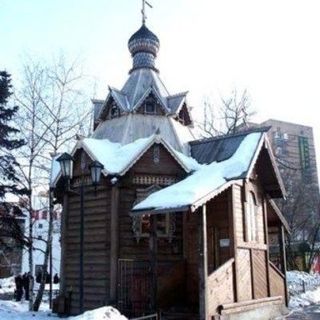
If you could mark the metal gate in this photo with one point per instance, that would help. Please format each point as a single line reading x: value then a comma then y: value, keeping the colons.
x: 134, y: 287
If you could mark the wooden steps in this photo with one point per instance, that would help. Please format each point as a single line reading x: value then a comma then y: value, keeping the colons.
x: 179, y: 316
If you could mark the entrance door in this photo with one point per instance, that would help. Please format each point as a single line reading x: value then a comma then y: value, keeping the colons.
x: 133, y: 287
x: 213, y: 249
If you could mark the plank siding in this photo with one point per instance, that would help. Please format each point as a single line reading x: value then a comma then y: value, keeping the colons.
x: 259, y: 274
x: 96, y: 247
x: 221, y: 287
x: 244, y: 275
x: 277, y: 282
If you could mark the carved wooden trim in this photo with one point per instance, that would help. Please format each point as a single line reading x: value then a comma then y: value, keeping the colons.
x: 154, y: 180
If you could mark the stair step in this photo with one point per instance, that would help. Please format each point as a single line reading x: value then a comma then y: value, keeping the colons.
x: 179, y: 316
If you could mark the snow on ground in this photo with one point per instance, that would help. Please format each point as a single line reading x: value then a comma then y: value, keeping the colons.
x: 7, y: 285
x: 104, y: 313
x: 299, y: 281
x: 19, y: 311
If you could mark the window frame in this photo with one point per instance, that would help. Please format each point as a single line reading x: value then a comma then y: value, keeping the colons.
x: 251, y: 218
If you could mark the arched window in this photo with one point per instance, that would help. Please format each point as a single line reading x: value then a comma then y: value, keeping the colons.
x: 251, y: 217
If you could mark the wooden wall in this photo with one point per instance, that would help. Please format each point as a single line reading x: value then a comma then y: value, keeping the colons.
x: 250, y: 277
x: 97, y: 215
x: 96, y: 248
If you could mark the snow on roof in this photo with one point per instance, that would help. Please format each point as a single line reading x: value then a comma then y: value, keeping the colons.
x: 206, y: 180
x: 55, y: 169
x: 117, y: 159
x: 114, y: 156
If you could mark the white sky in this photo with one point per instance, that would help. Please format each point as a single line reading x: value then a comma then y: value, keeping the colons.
x: 208, y: 47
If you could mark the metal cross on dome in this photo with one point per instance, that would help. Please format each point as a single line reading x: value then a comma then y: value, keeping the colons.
x: 143, y: 11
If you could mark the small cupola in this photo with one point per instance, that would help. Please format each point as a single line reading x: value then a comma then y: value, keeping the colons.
x: 143, y: 46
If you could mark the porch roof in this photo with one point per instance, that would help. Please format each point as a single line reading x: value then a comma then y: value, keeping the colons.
x: 206, y: 182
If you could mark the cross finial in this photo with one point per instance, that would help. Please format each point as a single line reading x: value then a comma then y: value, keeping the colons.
x: 143, y: 11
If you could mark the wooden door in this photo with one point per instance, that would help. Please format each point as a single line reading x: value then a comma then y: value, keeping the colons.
x: 213, y: 249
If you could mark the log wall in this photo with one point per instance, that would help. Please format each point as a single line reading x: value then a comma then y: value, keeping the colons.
x: 96, y: 248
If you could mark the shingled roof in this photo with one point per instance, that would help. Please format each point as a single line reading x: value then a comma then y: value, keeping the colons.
x: 219, y: 148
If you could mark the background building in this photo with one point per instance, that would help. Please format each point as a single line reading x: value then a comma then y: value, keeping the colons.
x: 294, y: 148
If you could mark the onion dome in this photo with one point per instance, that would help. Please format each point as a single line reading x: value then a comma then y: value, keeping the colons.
x: 143, y: 46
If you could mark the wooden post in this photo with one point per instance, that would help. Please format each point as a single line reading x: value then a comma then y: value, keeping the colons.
x: 114, y: 242
x: 233, y: 237
x: 203, y: 264
x: 284, y: 261
x: 153, y: 249
x: 266, y: 240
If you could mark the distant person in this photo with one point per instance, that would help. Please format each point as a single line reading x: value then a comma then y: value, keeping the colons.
x: 56, y: 279
x: 39, y: 276
x: 19, y: 287
x: 26, y: 278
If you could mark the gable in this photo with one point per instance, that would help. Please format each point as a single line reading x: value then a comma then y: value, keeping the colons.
x: 151, y: 106
x: 150, y: 98
x: 267, y: 173
x: 184, y: 116
x: 157, y: 160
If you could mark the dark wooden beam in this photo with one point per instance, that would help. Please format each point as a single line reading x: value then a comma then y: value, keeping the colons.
x: 266, y: 241
x: 284, y: 261
x: 203, y: 263
x: 233, y: 236
x: 114, y: 244
x: 63, y: 229
x: 153, y: 249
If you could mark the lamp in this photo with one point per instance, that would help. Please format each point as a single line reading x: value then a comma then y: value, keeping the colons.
x: 66, y: 165
x: 95, y: 169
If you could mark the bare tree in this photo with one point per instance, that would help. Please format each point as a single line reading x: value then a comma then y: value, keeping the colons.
x: 53, y: 111
x: 301, y: 209
x: 232, y: 115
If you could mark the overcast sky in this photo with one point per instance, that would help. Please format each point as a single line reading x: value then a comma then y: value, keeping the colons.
x: 208, y: 47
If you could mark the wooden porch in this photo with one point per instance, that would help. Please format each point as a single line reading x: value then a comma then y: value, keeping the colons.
x: 220, y: 271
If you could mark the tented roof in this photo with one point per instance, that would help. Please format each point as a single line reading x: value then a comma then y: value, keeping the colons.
x: 128, y: 128
x: 137, y: 88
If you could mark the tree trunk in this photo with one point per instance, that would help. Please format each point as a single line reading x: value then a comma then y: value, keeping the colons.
x: 39, y: 296
x: 30, y: 253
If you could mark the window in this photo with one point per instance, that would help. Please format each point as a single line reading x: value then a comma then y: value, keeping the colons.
x: 251, y: 218
x: 40, y: 226
x: 39, y: 237
x: 156, y: 153
x: 163, y: 225
x: 114, y: 113
x: 150, y: 107
x: 141, y: 225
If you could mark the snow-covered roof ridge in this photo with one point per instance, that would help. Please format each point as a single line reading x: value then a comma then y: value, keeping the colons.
x: 206, y: 181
